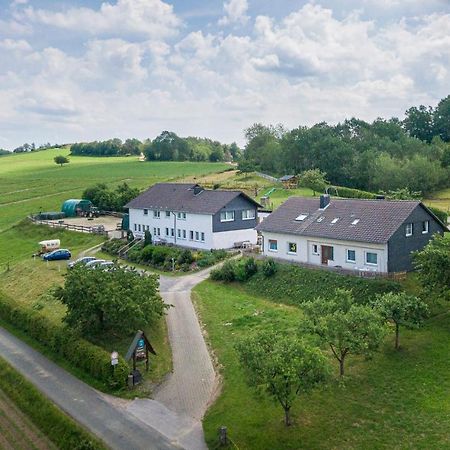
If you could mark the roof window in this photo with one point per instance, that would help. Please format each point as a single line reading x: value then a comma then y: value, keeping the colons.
x: 320, y: 219
x: 335, y: 220
x: 355, y: 221
x: 301, y: 217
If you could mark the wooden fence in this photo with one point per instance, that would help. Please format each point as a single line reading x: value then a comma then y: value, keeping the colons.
x: 66, y: 226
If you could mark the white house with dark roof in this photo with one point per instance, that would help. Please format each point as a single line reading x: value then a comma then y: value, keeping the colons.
x: 365, y: 235
x: 190, y: 216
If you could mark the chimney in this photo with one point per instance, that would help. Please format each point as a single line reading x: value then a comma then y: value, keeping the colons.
x: 324, y: 201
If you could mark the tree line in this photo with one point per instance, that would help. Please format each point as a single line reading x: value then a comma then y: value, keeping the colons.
x: 382, y: 155
x: 168, y: 146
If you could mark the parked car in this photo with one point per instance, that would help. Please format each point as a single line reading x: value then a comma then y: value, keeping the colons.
x: 106, y: 265
x: 55, y: 255
x: 81, y: 261
x: 94, y: 263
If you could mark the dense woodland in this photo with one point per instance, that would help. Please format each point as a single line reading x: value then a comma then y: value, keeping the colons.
x: 382, y: 155
x: 166, y: 147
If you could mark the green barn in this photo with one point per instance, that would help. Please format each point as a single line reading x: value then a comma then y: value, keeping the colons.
x: 74, y: 207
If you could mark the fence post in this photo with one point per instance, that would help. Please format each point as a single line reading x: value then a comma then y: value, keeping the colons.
x: 223, y: 438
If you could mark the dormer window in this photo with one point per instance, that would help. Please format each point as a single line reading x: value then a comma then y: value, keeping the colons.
x: 301, y: 217
x: 335, y: 220
x: 355, y: 222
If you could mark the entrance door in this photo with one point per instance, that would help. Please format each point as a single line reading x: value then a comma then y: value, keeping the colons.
x: 327, y: 254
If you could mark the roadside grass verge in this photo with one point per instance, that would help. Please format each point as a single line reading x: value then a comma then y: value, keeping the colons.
x: 399, y: 399
x: 56, y: 425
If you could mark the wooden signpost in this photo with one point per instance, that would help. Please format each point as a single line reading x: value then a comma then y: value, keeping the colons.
x: 139, y: 350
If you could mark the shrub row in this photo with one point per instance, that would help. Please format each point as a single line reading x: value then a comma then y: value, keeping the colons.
x: 58, y: 427
x: 163, y: 257
x: 292, y: 284
x: 65, y: 343
x: 441, y: 215
x: 354, y: 193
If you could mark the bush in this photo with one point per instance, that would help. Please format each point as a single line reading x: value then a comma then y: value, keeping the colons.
x: 441, y: 215
x: 185, y: 257
x: 269, y: 267
x: 63, y: 342
x: 245, y: 269
x: 146, y: 254
x: 224, y: 273
x: 159, y: 255
x: 354, y: 193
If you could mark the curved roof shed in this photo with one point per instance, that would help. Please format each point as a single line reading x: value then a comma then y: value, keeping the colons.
x: 70, y: 207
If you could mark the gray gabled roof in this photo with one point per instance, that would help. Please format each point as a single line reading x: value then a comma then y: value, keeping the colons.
x: 378, y: 219
x: 181, y: 197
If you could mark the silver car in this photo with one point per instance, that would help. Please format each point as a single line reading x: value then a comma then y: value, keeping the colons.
x: 81, y: 261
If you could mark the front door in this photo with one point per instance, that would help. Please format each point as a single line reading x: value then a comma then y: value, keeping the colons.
x: 327, y: 254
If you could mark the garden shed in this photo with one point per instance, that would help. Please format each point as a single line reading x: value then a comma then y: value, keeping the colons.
x: 74, y: 207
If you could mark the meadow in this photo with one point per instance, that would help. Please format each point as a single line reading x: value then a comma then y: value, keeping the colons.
x: 398, y: 399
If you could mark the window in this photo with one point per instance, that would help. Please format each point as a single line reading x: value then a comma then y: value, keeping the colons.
x: 273, y: 245
x: 335, y: 220
x: 301, y: 217
x: 156, y: 214
x: 197, y: 236
x: 425, y: 226
x: 154, y: 231
x: 145, y: 212
x: 292, y: 247
x: 139, y: 227
x: 184, y: 234
x: 248, y: 214
x: 203, y: 237
x: 167, y: 213
x: 315, y: 249
x: 135, y: 227
x: 371, y: 258
x: 191, y: 235
x: 355, y: 222
x: 172, y: 232
x: 351, y: 256
x: 181, y: 216
x: 167, y: 231
x: 409, y: 229
x: 320, y: 219
x: 179, y: 233
x: 159, y: 231
x: 227, y: 216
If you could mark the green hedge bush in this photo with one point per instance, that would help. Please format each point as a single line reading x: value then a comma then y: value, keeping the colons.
x: 354, y: 193
x: 63, y: 342
x: 441, y: 215
x: 57, y: 426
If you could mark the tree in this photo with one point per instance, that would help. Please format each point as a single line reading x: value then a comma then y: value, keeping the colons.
x: 345, y: 326
x: 313, y: 179
x: 401, y: 309
x: 245, y: 166
x: 442, y: 119
x: 120, y: 300
x: 147, y: 238
x: 433, y: 266
x: 60, y: 159
x: 419, y: 123
x: 282, y: 365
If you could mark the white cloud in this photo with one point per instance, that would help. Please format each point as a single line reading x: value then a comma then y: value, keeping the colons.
x: 235, y: 12
x: 151, y: 18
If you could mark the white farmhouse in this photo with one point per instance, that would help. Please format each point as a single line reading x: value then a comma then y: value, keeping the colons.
x: 365, y: 235
x: 190, y: 216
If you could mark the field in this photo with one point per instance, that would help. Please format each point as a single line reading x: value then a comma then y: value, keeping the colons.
x: 17, y: 431
x: 440, y: 200
x: 396, y: 400
x: 30, y: 182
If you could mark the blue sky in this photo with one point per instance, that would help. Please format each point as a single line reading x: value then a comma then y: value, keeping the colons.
x: 85, y: 70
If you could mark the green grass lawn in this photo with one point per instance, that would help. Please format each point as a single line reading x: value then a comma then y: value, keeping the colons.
x: 396, y: 400
x: 32, y: 181
x: 440, y: 199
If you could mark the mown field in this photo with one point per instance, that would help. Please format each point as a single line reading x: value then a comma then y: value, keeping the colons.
x: 31, y: 181
x: 398, y: 399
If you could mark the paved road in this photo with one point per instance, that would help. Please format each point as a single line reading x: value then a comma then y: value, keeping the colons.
x: 172, y: 420
x: 110, y: 423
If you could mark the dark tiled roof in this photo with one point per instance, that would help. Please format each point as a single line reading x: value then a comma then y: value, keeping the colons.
x: 287, y: 177
x: 378, y: 219
x: 181, y: 197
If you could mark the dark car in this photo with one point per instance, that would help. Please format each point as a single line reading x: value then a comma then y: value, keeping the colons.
x: 81, y: 261
x: 55, y: 255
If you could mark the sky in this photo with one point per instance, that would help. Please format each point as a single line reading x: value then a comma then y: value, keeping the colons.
x: 79, y: 70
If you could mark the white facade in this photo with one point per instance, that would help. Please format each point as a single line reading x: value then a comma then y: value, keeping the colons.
x: 185, y: 229
x: 346, y: 254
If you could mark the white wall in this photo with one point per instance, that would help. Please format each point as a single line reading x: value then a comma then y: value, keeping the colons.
x: 194, y: 222
x: 305, y: 251
x: 226, y: 239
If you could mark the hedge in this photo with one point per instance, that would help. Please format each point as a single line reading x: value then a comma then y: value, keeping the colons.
x: 63, y: 342
x: 441, y: 215
x: 57, y: 426
x: 354, y: 193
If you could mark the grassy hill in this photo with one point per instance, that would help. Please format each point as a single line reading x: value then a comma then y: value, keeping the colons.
x: 31, y: 181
